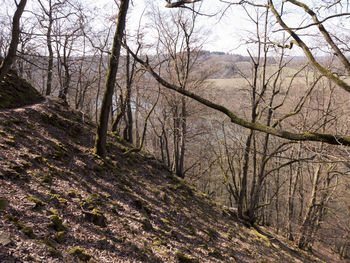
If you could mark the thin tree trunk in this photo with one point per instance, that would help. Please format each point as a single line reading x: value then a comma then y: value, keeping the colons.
x: 306, y: 226
x: 50, y: 59
x: 101, y: 134
x: 137, y: 101
x: 120, y: 114
x: 129, y: 122
x: 67, y: 77
x: 291, y: 196
x: 180, y: 172
x: 242, y: 198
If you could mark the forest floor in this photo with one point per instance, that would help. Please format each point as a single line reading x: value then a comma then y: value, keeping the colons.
x: 61, y: 203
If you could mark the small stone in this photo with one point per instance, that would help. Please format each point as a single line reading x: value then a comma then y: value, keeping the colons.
x: 80, y: 253
x: 95, y: 217
x: 5, y: 239
x: 56, y: 223
x: 146, y: 225
x: 30, y: 204
x: 76, y: 200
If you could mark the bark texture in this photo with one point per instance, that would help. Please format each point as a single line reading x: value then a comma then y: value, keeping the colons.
x: 101, y: 135
x: 11, y: 54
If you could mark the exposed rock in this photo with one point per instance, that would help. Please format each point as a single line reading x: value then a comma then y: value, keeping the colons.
x: 95, y: 217
x: 5, y: 239
x: 33, y: 203
x: 80, y: 253
x: 57, y: 222
x: 146, y: 225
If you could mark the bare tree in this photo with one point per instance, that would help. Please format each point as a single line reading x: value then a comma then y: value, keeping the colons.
x: 15, y: 32
x: 304, y: 136
x: 52, y: 13
x: 101, y: 135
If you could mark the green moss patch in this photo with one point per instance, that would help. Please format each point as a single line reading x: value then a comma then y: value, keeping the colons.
x: 96, y: 217
x: 57, y: 223
x: 94, y: 200
x: 182, y: 258
x: 3, y: 203
x: 37, y: 201
x: 28, y: 231
x: 262, y: 237
x: 60, y: 151
x: 80, y: 253
x: 60, y: 237
x: 51, y: 247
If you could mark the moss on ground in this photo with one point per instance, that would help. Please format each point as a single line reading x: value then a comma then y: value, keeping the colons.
x: 17, y: 92
x: 37, y: 201
x: 57, y: 223
x: 60, y: 237
x: 182, y: 258
x: 80, y: 253
x: 28, y: 231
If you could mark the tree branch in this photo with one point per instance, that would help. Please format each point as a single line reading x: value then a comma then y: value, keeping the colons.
x: 180, y: 3
x: 325, y: 33
x: 305, y: 136
x: 308, y: 53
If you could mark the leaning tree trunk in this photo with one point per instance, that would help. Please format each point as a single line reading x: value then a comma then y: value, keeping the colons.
x: 11, y: 54
x: 101, y: 134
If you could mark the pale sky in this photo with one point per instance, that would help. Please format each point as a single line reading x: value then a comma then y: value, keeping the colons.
x: 223, y: 29
x: 227, y: 33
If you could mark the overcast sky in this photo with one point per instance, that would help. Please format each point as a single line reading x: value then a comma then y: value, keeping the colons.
x: 222, y: 29
x: 224, y: 33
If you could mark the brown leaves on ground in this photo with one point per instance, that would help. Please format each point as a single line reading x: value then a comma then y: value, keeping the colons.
x: 60, y: 203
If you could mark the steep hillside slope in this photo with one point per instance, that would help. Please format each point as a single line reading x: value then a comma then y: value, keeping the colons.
x: 16, y: 92
x: 60, y: 203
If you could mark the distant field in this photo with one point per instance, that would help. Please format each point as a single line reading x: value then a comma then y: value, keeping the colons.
x: 228, y: 83
x: 239, y: 82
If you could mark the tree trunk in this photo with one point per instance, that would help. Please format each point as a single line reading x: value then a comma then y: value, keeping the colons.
x: 50, y: 59
x: 307, y: 225
x: 181, y: 169
x: 242, y: 197
x: 11, y: 54
x: 129, y: 122
x: 67, y: 77
x: 101, y: 134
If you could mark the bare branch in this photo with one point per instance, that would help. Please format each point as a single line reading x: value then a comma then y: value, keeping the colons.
x: 317, y: 23
x: 305, y: 136
x: 308, y: 53
x: 324, y: 32
x: 180, y: 3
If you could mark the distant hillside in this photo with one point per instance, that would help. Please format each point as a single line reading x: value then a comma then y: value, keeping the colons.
x: 60, y: 203
x: 233, y: 65
x: 224, y: 64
